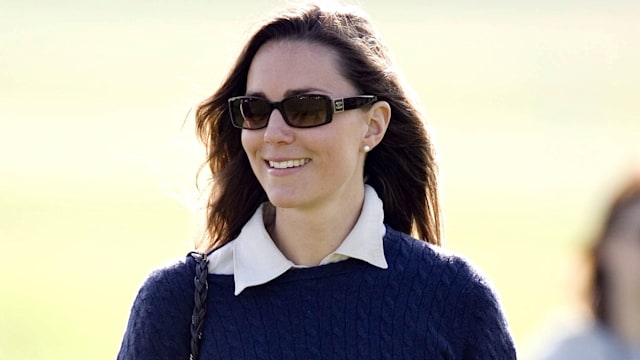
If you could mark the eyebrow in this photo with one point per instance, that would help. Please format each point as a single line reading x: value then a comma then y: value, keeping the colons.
x: 289, y: 93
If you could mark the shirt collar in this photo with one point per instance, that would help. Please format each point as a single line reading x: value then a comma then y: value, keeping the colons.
x: 257, y: 260
x: 364, y: 242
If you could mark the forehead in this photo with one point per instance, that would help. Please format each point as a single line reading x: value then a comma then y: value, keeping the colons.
x: 282, y: 66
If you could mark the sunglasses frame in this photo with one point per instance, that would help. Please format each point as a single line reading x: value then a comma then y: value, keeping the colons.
x: 333, y: 106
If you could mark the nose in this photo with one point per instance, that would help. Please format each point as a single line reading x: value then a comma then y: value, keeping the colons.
x: 277, y: 130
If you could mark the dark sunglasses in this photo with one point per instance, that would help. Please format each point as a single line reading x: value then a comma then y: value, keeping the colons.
x: 300, y: 111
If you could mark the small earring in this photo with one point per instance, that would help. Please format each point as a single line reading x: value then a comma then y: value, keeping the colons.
x: 366, y: 149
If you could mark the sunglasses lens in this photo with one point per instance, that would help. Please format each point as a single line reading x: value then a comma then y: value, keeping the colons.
x: 299, y: 111
x: 307, y: 111
x: 250, y: 113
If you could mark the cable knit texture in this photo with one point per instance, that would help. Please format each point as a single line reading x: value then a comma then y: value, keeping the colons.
x: 427, y: 305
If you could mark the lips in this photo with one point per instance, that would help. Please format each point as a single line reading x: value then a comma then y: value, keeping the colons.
x: 288, y: 163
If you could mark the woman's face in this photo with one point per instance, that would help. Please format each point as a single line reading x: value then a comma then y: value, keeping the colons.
x: 621, y: 252
x: 312, y: 167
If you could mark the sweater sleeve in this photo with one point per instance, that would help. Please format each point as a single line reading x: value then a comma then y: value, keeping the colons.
x: 487, y: 333
x: 160, y: 318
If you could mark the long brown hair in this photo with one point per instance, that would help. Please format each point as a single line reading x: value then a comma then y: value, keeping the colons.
x: 627, y: 196
x: 402, y: 168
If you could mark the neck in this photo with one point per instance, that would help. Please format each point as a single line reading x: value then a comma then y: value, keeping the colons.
x: 306, y: 236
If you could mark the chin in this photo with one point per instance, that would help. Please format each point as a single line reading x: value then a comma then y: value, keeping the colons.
x: 280, y: 197
x: 283, y: 202
x: 285, y: 199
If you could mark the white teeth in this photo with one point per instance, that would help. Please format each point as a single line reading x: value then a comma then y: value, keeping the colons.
x: 287, y: 164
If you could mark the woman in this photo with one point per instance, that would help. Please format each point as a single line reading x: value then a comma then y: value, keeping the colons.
x: 321, y: 167
x: 614, y: 294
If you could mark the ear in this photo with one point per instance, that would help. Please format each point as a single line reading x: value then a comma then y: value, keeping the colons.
x: 379, y: 116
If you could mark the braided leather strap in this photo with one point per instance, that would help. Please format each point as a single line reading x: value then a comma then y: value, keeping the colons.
x: 200, y: 308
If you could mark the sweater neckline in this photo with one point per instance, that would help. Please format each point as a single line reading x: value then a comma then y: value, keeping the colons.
x: 307, y: 273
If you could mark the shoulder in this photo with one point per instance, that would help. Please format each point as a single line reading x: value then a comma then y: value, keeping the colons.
x: 158, y: 326
x: 586, y: 342
x: 402, y: 250
x: 438, y: 267
x: 573, y: 346
x: 171, y: 276
x: 459, y: 293
x: 168, y: 288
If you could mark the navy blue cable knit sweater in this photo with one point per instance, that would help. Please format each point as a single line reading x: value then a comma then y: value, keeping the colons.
x: 426, y: 305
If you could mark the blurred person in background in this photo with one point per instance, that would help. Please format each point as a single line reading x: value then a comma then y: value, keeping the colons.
x: 613, y: 294
x: 322, y: 169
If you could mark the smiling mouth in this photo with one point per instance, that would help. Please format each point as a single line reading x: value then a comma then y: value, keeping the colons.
x: 288, y: 164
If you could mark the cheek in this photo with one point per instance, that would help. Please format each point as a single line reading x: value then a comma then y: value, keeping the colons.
x: 249, y: 142
x: 622, y: 261
x: 344, y: 159
x: 251, y: 145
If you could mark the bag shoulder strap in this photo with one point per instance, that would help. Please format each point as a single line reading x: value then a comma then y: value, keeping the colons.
x: 200, y: 299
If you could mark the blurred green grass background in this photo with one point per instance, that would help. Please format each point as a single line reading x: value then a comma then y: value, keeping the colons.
x: 533, y: 105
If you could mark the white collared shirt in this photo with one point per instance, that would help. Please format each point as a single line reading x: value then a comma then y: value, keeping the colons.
x: 254, y: 259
